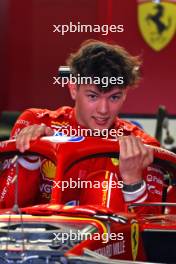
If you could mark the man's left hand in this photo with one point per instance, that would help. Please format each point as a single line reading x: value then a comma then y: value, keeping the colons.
x: 134, y: 158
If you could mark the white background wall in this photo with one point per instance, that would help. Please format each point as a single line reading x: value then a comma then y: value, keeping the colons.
x: 149, y: 125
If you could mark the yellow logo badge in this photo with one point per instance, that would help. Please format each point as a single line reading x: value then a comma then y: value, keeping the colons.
x: 48, y: 170
x: 115, y: 161
x: 134, y: 239
x: 157, y: 22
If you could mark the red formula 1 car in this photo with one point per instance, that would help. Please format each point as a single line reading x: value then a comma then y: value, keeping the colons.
x: 57, y: 233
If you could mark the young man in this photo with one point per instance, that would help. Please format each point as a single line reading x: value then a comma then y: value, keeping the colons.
x: 97, y: 105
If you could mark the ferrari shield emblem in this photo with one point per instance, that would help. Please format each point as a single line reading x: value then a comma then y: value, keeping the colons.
x: 157, y: 22
x: 134, y: 239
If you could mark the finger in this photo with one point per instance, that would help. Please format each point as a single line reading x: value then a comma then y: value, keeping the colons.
x: 24, y: 139
x: 130, y: 147
x: 31, y: 133
x: 21, y: 145
x: 25, y: 136
x: 146, y: 153
x: 43, y: 130
x: 20, y: 139
x: 149, y: 159
x: 49, y: 131
x: 138, y: 147
x: 123, y: 147
x: 38, y: 131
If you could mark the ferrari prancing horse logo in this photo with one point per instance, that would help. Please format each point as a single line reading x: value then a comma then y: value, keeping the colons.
x: 157, y: 22
x: 134, y: 239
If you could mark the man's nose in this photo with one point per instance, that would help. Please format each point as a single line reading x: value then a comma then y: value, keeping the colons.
x: 103, y: 106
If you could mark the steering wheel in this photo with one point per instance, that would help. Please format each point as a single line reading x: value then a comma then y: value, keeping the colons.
x: 65, y: 154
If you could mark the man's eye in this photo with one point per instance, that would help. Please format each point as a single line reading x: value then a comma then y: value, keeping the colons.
x: 92, y: 96
x: 115, y: 98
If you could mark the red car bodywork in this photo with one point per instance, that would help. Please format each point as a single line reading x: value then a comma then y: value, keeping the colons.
x: 137, y: 229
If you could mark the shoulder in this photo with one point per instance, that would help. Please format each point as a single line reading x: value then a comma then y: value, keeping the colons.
x: 129, y: 128
x: 33, y: 116
x: 38, y: 113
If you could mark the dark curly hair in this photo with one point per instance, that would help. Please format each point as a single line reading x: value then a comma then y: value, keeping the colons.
x: 99, y: 59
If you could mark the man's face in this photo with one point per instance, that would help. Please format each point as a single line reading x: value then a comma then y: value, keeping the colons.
x: 94, y: 109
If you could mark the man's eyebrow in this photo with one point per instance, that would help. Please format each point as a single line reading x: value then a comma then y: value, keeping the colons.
x: 117, y: 93
x: 90, y: 91
x: 94, y: 92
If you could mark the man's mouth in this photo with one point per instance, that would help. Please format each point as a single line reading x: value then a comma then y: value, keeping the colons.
x: 100, y: 120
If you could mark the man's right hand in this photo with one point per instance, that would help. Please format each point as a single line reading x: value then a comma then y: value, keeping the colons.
x: 30, y: 133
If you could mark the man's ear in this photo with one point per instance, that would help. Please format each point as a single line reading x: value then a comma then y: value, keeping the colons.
x: 72, y: 90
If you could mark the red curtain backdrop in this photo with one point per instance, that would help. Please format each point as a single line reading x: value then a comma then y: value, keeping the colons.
x: 31, y: 53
